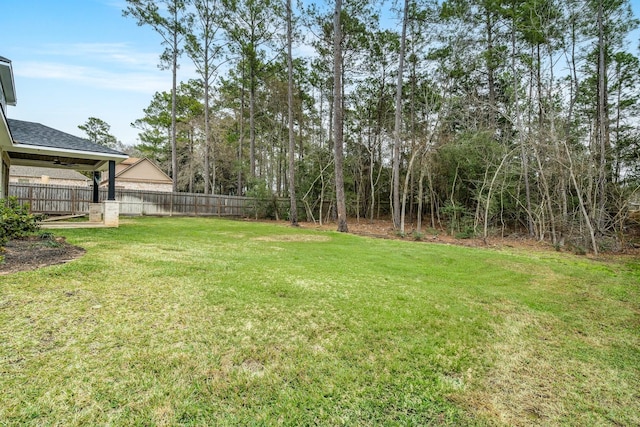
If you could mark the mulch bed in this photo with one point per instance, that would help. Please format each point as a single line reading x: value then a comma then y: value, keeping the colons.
x: 35, y: 252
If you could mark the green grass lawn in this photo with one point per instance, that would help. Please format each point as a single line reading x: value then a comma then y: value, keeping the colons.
x: 191, y: 321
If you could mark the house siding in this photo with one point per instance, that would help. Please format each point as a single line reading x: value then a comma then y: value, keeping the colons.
x: 140, y: 174
x: 4, y: 174
x: 145, y: 186
x: 51, y: 181
x: 48, y: 176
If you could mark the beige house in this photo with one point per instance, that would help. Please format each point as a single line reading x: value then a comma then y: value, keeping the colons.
x: 51, y: 176
x: 140, y: 174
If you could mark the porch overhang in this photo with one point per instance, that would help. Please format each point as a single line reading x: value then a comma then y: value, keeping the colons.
x: 38, y: 145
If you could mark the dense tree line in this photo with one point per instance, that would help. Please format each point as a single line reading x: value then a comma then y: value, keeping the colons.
x: 479, y: 116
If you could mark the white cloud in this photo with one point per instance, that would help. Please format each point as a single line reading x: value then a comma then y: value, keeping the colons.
x: 108, y: 53
x: 113, y: 66
x: 120, y: 59
x: 144, y: 82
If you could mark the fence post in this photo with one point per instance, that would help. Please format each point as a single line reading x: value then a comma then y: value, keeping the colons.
x: 74, y: 196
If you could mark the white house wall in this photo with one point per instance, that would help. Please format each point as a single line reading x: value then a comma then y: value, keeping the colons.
x: 4, y: 174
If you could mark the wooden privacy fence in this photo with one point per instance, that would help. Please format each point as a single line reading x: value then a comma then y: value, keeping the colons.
x: 68, y: 200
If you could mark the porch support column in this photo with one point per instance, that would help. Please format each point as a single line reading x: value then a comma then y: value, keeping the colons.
x: 111, y: 195
x: 111, y: 205
x: 96, y: 186
x: 95, y: 208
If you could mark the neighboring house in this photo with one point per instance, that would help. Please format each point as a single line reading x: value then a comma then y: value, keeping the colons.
x: 32, y: 144
x: 51, y: 176
x: 140, y: 174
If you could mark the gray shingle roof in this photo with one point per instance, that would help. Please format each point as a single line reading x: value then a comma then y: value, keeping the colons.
x: 30, y: 133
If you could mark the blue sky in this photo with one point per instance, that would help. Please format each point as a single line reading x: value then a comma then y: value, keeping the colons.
x: 74, y: 59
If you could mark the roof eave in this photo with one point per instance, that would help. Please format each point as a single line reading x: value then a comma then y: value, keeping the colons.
x: 6, y: 139
x: 38, y: 149
x: 141, y: 160
x: 7, y: 81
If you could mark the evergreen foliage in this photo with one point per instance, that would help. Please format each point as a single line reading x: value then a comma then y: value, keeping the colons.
x: 512, y: 115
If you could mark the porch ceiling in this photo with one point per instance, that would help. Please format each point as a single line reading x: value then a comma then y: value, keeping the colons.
x: 59, y: 160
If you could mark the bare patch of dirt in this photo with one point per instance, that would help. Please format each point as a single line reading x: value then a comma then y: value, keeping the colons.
x: 292, y: 238
x: 383, y: 229
x: 35, y: 252
x: 514, y: 391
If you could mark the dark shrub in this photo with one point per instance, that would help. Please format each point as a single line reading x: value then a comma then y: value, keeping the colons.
x: 15, y: 220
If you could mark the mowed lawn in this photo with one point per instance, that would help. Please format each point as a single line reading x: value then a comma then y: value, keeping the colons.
x: 191, y: 321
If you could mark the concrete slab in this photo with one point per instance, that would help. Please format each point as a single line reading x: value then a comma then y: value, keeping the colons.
x: 79, y: 224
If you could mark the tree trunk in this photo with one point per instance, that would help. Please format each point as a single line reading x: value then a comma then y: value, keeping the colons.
x: 241, y: 137
x: 337, y: 118
x: 252, y: 102
x: 398, y: 122
x: 293, y: 215
x: 420, y: 198
x: 490, y: 68
x: 207, y: 131
x: 174, y: 73
x: 191, y: 168
x: 485, y: 228
x: 252, y: 124
x: 602, y: 124
x: 585, y: 214
x: 372, y: 187
x: 405, y: 189
x: 524, y: 157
